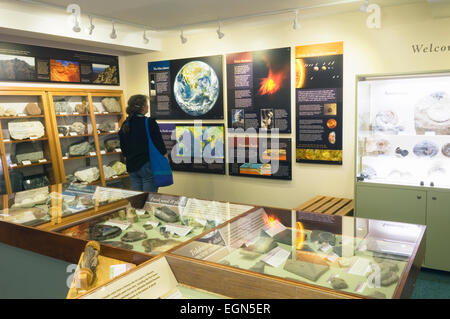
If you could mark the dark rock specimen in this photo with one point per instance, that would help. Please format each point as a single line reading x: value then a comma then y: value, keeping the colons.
x: 118, y: 244
x: 304, y: 269
x: 338, y: 283
x: 102, y: 232
x: 133, y: 236
x: 166, y: 214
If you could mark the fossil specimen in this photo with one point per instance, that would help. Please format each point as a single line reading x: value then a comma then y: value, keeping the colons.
x: 118, y: 244
x: 305, y: 269
x: 425, y: 149
x: 339, y: 283
x: 102, y: 232
x: 166, y: 214
x: 133, y: 236
x: 159, y: 245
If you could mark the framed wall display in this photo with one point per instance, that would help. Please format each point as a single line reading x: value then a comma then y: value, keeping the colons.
x: 195, y: 147
x: 260, y: 157
x: 318, y: 103
x: 21, y: 62
x: 186, y: 88
x: 258, y: 90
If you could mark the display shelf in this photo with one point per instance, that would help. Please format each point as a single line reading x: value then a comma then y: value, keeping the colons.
x: 74, y: 136
x: 112, y: 113
x: 73, y: 114
x: 9, y: 141
x: 108, y: 133
x: 20, y: 117
x: 69, y: 158
x: 15, y: 166
x: 118, y: 177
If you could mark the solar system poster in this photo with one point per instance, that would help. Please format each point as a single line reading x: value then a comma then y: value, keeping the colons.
x: 318, y: 103
x: 186, y: 89
x: 28, y: 63
x: 260, y: 157
x: 258, y: 90
x: 195, y: 148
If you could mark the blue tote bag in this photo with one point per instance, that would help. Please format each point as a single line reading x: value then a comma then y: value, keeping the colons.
x: 162, y: 173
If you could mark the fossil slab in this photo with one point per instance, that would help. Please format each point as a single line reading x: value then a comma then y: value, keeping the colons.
x: 133, y: 236
x: 446, y: 150
x: 118, y: 244
x: 111, y: 105
x: 20, y: 130
x: 166, y: 214
x: 88, y: 175
x: 102, y: 232
x: 386, y: 121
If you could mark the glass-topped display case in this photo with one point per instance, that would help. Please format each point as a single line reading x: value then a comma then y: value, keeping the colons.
x: 162, y: 223
x: 403, y: 129
x: 55, y: 202
x: 357, y: 257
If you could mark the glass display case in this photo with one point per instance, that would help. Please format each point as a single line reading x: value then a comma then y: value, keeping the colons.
x: 162, y: 223
x: 42, y: 205
x: 403, y: 130
x: 356, y: 257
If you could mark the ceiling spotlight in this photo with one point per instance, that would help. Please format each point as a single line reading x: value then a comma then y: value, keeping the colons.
x: 146, y: 40
x: 74, y: 10
x: 220, y: 34
x: 113, y: 34
x: 91, y: 26
x: 364, y: 6
x: 296, y: 24
x: 182, y: 37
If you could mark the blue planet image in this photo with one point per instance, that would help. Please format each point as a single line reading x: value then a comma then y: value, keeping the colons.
x: 196, y: 88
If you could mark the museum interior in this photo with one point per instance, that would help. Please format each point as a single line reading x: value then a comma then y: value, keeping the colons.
x: 308, y: 149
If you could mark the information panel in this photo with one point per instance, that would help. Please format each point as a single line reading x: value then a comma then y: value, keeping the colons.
x: 258, y: 90
x: 195, y: 147
x: 186, y: 88
x: 318, y: 108
x: 260, y: 157
x: 20, y: 62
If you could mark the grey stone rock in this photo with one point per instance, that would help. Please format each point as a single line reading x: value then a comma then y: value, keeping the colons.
x: 35, y: 181
x: 426, y: 149
x: 32, y: 152
x: 304, y: 269
x: 338, y: 283
x: 119, y: 167
x: 159, y: 245
x: 103, y: 232
x: 78, y: 128
x: 118, y: 244
x: 20, y: 130
x: 133, y: 236
x: 64, y: 130
x: 148, y: 227
x: 166, y: 214
x: 88, y: 175
x: 111, y: 105
x: 107, y: 126
x: 378, y: 295
x: 63, y: 106
x: 262, y: 246
x: 79, y: 149
x: 112, y: 144
x: 108, y: 171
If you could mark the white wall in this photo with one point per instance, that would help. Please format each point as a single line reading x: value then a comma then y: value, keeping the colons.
x: 366, y: 51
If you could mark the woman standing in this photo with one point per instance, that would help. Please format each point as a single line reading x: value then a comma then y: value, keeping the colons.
x: 134, y: 144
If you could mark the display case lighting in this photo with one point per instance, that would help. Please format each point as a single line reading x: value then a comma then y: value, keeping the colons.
x: 113, y: 34
x: 91, y: 26
x: 296, y: 23
x: 146, y: 40
x: 220, y: 34
x: 182, y: 37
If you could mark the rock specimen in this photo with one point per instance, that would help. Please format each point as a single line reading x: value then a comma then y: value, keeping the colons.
x: 64, y: 130
x: 119, y: 167
x: 111, y: 105
x: 2, y: 111
x: 386, y: 121
x: 122, y: 214
x: 426, y: 149
x: 159, y: 245
x: 432, y: 113
x: 20, y: 130
x: 132, y: 217
x: 401, y: 152
x: 107, y: 126
x: 262, y: 245
x: 387, y: 274
x: 63, y: 107
x: 258, y: 267
x: 323, y: 237
x: 307, y: 270
x: 133, y: 236
x: 33, y: 109
x: 10, y: 112
x: 89, y: 263
x: 118, y: 244
x: 108, y: 171
x: 112, y: 144
x: 368, y: 172
x: 338, y: 283
x: 71, y: 178
x: 22, y: 215
x: 145, y: 215
x: 88, y: 175
x: 377, y: 294
x: 81, y: 108
x: 79, y: 149
x: 102, y: 232
x: 166, y: 214
x: 17, y: 70
x: 32, y: 152
x: 446, y: 150
x: 78, y: 128
x: 35, y: 181
x: 31, y: 202
x: 377, y: 146
x: 148, y: 226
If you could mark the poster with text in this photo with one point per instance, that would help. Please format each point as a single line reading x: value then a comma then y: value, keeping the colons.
x: 28, y: 63
x: 258, y: 90
x: 260, y: 157
x: 195, y: 148
x: 186, y: 88
x: 318, y: 103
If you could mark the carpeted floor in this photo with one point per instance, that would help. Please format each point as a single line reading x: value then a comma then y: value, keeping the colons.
x: 432, y: 284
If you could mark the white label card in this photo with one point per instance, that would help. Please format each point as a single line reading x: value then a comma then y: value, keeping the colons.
x: 65, y: 157
x: 34, y: 138
x: 119, y: 223
x: 60, y: 134
x: 13, y: 165
x: 151, y: 222
x: 180, y: 230
x: 92, y: 153
x: 118, y: 150
x: 116, y: 270
x: 325, y: 247
x: 75, y: 113
x: 26, y: 162
x: 62, y: 113
x: 430, y: 133
x: 276, y: 257
x: 73, y: 133
x: 22, y: 114
x: 332, y: 257
x: 102, y: 152
x: 274, y: 228
x: 42, y: 160
x: 140, y: 212
x: 7, y: 140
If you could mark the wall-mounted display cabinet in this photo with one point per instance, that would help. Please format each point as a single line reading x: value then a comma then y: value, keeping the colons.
x: 54, y: 135
x: 403, y: 154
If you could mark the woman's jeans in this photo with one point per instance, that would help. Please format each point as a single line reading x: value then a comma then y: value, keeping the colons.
x: 142, y: 180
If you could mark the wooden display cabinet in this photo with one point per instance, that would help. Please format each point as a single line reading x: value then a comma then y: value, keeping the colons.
x: 17, y: 99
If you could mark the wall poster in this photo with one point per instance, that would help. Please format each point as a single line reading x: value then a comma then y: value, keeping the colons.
x: 260, y: 157
x: 186, y: 89
x: 195, y: 147
x: 258, y: 85
x: 318, y: 103
x: 20, y: 62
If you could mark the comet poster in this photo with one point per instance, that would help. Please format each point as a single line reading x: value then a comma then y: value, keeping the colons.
x: 258, y: 90
x: 186, y: 89
x: 318, y: 103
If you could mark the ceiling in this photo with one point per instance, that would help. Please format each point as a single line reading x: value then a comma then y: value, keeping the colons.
x: 172, y: 14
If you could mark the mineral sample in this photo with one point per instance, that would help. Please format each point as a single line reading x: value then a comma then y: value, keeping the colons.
x: 35, y: 181
x: 118, y: 244
x: 88, y: 175
x: 32, y: 152
x: 79, y: 149
x: 377, y: 146
x: 368, y: 173
x: 432, y: 113
x: 102, y: 232
x: 166, y: 214
x: 108, y: 171
x: 119, y: 167
x: 20, y: 130
x: 133, y: 236
x: 145, y: 215
x: 64, y: 130
x: 401, y: 152
x: 112, y: 144
x: 147, y: 227
x: 338, y: 283
x: 122, y: 214
x: 63, y: 107
x: 31, y: 202
x: 304, y: 269
x: 377, y: 294
x: 33, y: 109
x: 131, y: 214
x: 159, y: 245
x: 78, y: 128
x: 10, y: 112
x: 107, y: 126
x: 111, y: 105
x: 81, y: 108
x: 426, y: 149
x: 386, y: 121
